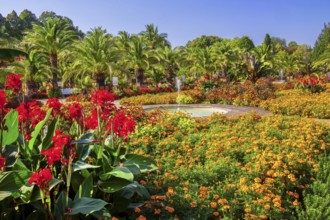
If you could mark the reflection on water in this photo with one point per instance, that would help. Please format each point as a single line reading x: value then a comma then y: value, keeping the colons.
x: 194, y: 111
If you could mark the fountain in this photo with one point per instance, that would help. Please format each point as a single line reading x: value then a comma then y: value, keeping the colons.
x: 280, y: 74
x: 178, y: 86
x: 195, y: 110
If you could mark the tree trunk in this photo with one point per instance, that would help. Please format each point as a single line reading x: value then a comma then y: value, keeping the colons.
x: 139, y: 74
x: 100, y: 78
x: 54, y: 65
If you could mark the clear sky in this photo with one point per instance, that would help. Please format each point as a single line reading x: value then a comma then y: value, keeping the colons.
x: 184, y: 20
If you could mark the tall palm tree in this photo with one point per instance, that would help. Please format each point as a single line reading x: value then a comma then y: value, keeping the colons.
x: 95, y: 56
x: 49, y: 40
x: 223, y: 55
x: 140, y: 57
x: 123, y: 46
x: 256, y: 64
x: 153, y: 38
x: 170, y: 63
x: 198, y: 60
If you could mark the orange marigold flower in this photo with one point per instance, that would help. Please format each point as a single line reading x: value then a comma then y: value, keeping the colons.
x: 213, y: 205
x: 263, y: 216
x: 193, y: 204
x: 169, y: 209
x: 157, y: 211
x: 187, y: 196
x: 267, y: 207
x: 222, y: 201
x: 137, y: 210
x: 216, y: 196
x: 247, y: 210
x: 216, y: 214
x: 141, y: 217
x: 143, y: 182
x: 295, y: 202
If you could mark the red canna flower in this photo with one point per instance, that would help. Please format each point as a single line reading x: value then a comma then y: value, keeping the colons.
x: 41, y: 178
x: 60, y: 139
x: 2, y: 162
x: 75, y: 111
x: 121, y: 124
x: 14, y: 82
x: 30, y: 112
x: 54, y: 153
x: 91, y: 121
x: 55, y: 104
x: 102, y: 98
x: 3, y: 100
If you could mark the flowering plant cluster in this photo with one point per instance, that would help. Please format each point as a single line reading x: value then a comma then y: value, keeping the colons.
x: 313, y: 84
x: 299, y: 102
x: 65, y: 161
x: 242, y: 168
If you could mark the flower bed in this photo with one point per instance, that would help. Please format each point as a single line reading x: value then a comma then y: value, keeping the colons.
x: 299, y: 102
x: 248, y: 167
x: 164, y: 98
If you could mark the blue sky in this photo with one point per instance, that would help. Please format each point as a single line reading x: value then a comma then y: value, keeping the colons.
x: 184, y: 20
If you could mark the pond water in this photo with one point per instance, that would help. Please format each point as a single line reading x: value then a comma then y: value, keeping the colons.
x: 193, y: 111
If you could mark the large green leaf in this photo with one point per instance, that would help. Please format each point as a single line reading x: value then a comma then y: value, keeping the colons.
x: 10, y: 134
x: 113, y: 184
x: 84, y: 146
x: 80, y: 165
x: 12, y: 181
x: 87, y: 206
x: 86, y: 188
x: 60, y: 206
x: 10, y: 152
x: 120, y: 172
x: 36, y: 132
x: 54, y: 182
x: 140, y: 163
x: 47, y: 141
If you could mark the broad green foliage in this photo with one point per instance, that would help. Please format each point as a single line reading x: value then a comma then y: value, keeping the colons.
x: 95, y: 182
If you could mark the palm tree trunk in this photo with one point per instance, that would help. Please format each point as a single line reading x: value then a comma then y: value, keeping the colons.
x: 139, y: 74
x: 53, y: 64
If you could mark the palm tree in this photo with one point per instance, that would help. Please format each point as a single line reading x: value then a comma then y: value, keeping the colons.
x: 95, y: 56
x: 170, y: 63
x: 123, y: 46
x: 198, y: 60
x: 223, y: 55
x: 49, y: 40
x: 256, y: 64
x: 140, y: 57
x: 153, y: 38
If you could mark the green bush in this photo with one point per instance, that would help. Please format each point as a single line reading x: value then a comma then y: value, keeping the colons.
x: 184, y: 99
x: 54, y: 93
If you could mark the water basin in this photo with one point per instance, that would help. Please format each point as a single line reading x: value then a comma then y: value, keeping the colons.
x: 193, y: 111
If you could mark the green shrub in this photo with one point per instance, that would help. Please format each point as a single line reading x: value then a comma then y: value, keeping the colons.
x: 54, y: 93
x: 184, y: 99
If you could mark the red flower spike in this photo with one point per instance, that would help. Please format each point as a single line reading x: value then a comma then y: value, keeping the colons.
x: 55, y: 104
x: 14, y: 82
x: 3, y: 100
x: 102, y: 98
x: 41, y: 178
x: 2, y: 162
x: 75, y: 111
